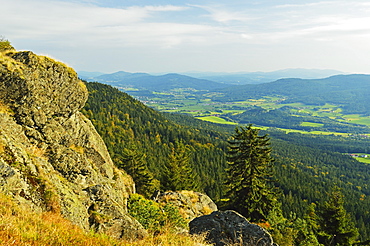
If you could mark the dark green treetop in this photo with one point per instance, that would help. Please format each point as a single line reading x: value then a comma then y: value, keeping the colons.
x: 336, y: 227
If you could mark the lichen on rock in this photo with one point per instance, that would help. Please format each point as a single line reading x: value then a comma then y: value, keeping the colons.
x: 191, y: 204
x: 230, y: 228
x: 51, y: 157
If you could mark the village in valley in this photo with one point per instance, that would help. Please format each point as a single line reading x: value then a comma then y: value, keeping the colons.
x: 361, y: 157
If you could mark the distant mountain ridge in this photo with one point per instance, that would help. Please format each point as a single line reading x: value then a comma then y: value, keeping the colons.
x: 120, y: 75
x: 241, y: 78
x: 156, y: 83
x: 198, y: 79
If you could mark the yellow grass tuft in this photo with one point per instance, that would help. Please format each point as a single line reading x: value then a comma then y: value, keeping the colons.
x: 191, y: 194
x: 9, y: 63
x: 168, y: 238
x: 35, y: 151
x: 78, y: 149
x: 2, y: 147
x: 82, y: 85
x: 206, y: 210
x: 4, y: 109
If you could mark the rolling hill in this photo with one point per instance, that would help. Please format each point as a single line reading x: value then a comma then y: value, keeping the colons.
x: 351, y: 91
x: 165, y: 82
x: 242, y: 78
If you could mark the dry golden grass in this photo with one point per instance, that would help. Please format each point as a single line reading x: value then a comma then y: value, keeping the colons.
x: 9, y: 63
x: 82, y: 85
x: 2, y: 147
x: 78, y: 149
x: 206, y: 210
x: 19, y: 226
x: 35, y: 151
x: 4, y: 109
x: 191, y: 194
x: 168, y: 238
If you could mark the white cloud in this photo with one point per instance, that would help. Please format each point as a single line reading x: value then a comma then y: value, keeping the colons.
x: 205, y: 30
x: 47, y: 18
x: 166, y: 8
x: 221, y: 14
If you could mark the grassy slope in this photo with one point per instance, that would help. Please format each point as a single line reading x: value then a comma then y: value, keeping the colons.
x: 19, y: 226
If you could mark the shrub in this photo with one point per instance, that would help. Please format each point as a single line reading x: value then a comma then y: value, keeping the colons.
x: 147, y: 212
x: 5, y: 44
x: 173, y: 217
x: 153, y: 216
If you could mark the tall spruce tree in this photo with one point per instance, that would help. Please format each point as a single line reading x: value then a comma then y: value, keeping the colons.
x: 133, y: 162
x: 249, y: 174
x: 307, y: 228
x: 178, y: 173
x: 336, y: 227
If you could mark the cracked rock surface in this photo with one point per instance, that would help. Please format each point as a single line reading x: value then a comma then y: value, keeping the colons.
x: 51, y: 157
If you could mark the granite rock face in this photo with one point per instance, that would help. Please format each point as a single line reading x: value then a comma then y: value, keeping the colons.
x: 230, y: 228
x: 190, y: 203
x: 51, y: 157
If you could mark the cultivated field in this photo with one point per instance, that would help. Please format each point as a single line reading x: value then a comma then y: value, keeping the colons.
x: 200, y: 105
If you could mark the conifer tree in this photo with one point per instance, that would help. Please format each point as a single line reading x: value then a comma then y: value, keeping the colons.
x: 307, y: 228
x: 134, y: 164
x: 178, y: 173
x: 249, y: 174
x: 336, y: 227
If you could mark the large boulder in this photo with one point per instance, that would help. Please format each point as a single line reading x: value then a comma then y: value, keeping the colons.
x: 228, y: 228
x: 51, y: 157
x: 190, y: 203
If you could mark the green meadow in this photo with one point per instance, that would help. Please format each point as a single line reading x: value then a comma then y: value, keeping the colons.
x: 312, y: 124
x: 215, y: 119
x: 363, y: 159
x: 202, y: 107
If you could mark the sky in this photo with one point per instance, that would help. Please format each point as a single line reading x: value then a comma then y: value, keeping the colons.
x: 181, y: 36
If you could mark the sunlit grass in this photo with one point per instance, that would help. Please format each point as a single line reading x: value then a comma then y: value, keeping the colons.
x: 362, y: 120
x: 233, y: 111
x: 4, y: 109
x: 312, y: 124
x: 314, y: 132
x: 19, y: 226
x: 365, y: 160
x: 215, y: 119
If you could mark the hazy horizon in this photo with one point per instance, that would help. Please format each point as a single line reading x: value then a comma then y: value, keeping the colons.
x: 212, y: 36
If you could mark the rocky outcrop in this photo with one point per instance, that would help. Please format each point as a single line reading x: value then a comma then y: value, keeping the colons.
x: 51, y: 157
x: 190, y: 203
x: 229, y: 228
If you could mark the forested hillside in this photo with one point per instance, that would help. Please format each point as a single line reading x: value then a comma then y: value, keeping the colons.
x: 137, y: 136
x: 147, y: 143
x: 351, y: 91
